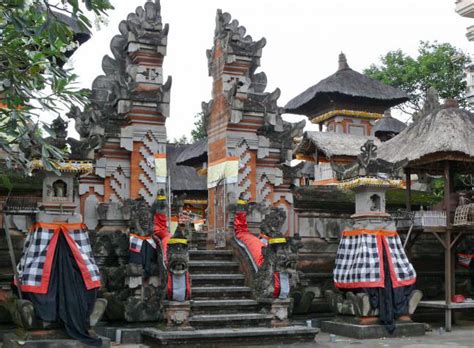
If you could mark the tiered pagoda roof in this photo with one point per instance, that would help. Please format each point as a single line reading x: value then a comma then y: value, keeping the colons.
x: 388, y: 124
x: 348, y: 86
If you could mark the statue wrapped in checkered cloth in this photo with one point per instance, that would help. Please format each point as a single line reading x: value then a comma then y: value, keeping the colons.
x: 57, y: 265
x: 372, y: 270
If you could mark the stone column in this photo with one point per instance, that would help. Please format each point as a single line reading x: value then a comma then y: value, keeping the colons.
x: 245, y: 124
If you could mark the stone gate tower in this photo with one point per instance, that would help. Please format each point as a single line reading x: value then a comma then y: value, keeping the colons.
x: 123, y: 127
x: 246, y: 133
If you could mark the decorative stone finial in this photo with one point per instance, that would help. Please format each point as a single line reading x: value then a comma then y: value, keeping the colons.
x: 450, y: 103
x: 343, y: 62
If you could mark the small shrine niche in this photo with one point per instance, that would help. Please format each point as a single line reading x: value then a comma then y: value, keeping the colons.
x: 58, y: 192
x: 375, y: 203
x: 59, y: 189
x: 370, y: 200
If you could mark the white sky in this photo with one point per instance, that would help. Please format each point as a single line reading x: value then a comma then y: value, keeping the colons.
x: 304, y: 38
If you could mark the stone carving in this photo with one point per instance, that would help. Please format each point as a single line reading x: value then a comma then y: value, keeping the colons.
x: 177, y: 307
x: 368, y: 164
x: 132, y: 281
x: 23, y: 314
x: 360, y: 305
x: 279, y: 258
x: 206, y: 112
x: 59, y: 128
x: 431, y: 104
x: 146, y: 22
x: 178, y: 254
x: 111, y: 93
x: 284, y: 139
x: 237, y: 41
x: 90, y: 124
x: 141, y: 219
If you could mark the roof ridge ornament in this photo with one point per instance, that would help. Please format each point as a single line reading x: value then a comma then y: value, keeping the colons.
x: 430, y: 105
x: 343, y: 65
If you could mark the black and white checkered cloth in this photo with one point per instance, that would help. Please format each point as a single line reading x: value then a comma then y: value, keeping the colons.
x: 36, y: 261
x: 81, y: 237
x: 401, y: 265
x: 136, y: 243
x: 33, y: 258
x: 359, y: 261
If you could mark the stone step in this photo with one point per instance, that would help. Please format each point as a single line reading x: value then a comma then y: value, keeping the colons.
x: 230, y: 320
x: 210, y: 255
x: 226, y: 337
x: 217, y: 279
x: 220, y: 292
x: 213, y: 267
x: 223, y: 306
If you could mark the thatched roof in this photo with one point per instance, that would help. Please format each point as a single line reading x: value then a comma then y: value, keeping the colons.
x: 333, y: 144
x: 388, y: 124
x: 183, y: 178
x: 346, y: 83
x: 194, y: 154
x: 445, y: 134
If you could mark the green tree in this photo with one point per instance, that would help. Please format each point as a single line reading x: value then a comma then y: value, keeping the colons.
x: 35, y: 39
x: 438, y: 65
x: 200, y: 127
x: 182, y: 140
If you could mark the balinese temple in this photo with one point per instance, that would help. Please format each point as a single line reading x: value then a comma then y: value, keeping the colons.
x: 249, y: 143
x: 122, y: 129
x: 347, y: 106
x: 346, y: 102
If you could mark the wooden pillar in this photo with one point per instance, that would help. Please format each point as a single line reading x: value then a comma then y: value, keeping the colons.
x: 408, y: 188
x: 448, y: 275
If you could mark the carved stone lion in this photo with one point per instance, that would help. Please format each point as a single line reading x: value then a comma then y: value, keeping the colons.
x: 279, y: 256
x: 178, y: 254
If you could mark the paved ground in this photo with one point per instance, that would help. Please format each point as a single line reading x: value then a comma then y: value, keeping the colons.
x: 460, y: 337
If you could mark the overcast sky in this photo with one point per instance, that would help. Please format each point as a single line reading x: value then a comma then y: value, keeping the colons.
x: 304, y: 38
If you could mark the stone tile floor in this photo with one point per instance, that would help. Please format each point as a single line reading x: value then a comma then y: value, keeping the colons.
x: 462, y: 336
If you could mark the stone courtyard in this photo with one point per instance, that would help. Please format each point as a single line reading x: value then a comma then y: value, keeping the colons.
x: 356, y: 230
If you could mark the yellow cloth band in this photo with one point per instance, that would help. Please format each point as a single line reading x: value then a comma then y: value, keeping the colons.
x: 178, y: 241
x: 160, y: 198
x: 241, y: 201
x: 277, y: 240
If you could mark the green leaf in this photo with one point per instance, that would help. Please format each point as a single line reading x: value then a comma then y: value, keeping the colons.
x: 5, y: 182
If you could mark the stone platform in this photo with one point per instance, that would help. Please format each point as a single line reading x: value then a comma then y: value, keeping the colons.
x: 358, y: 331
x: 226, y: 337
x: 12, y: 340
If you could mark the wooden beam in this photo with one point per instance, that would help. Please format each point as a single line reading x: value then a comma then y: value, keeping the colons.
x: 441, y: 241
x: 408, y: 189
x: 447, y: 251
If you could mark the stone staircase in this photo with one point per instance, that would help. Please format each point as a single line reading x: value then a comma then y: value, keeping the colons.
x: 223, y: 312
x: 219, y: 295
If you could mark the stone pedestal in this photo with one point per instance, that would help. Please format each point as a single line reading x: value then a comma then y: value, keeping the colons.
x: 177, y: 315
x: 279, y: 310
x: 349, y: 328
